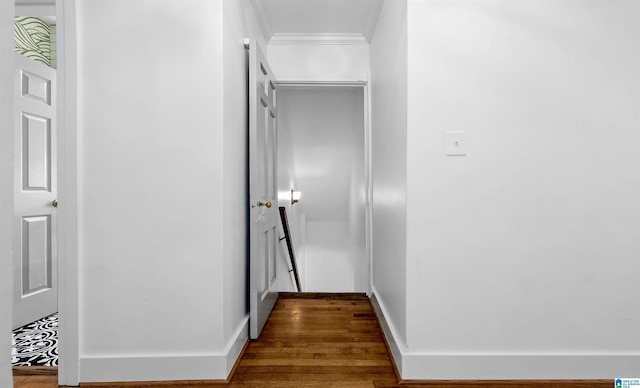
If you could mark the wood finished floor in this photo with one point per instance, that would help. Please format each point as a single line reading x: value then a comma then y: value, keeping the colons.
x: 314, y: 340
x: 318, y: 342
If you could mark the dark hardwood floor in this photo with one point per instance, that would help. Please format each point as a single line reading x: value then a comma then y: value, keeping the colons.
x: 318, y: 342
x: 314, y: 340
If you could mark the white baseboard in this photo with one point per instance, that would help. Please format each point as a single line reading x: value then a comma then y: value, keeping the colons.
x: 214, y: 366
x: 392, y: 339
x: 236, y: 344
x: 518, y: 367
x: 156, y: 368
x: 434, y: 366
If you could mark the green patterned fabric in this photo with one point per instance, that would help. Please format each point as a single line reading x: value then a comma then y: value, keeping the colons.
x: 33, y: 39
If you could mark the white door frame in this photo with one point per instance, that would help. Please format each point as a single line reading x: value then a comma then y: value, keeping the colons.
x: 68, y: 341
x: 7, y: 99
x: 354, y: 82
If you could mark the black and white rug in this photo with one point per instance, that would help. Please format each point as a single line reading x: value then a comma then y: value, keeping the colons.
x: 36, y: 344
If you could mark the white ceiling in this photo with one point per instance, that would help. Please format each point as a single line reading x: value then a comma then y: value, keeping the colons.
x: 317, y: 21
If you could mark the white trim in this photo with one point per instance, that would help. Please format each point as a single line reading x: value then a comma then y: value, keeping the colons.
x: 68, y: 294
x: 319, y: 84
x: 368, y: 174
x: 318, y: 38
x: 503, y: 366
x: 368, y: 178
x: 395, y: 343
x: 157, y: 368
x: 294, y: 82
x: 263, y: 20
x: 234, y: 347
x: 7, y: 98
x: 167, y: 367
x: 372, y: 20
x: 517, y: 367
x: 319, y: 80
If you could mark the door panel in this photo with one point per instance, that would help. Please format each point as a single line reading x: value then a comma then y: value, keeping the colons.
x: 36, y: 153
x: 36, y: 254
x: 35, y: 259
x: 262, y: 190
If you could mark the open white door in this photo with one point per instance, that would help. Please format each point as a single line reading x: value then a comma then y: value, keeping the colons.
x: 35, y: 262
x: 263, y: 193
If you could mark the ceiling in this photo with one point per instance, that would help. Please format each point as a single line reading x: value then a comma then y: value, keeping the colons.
x: 317, y: 21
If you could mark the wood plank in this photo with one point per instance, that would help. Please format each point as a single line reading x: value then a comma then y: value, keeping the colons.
x: 35, y: 370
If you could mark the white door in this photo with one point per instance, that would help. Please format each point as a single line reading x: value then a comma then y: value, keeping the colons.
x: 262, y: 190
x: 35, y: 262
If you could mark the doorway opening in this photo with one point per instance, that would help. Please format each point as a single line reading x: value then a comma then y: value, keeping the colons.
x: 35, y: 339
x: 322, y: 155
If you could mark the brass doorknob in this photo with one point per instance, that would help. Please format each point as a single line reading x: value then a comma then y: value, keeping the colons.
x: 267, y: 204
x: 55, y: 203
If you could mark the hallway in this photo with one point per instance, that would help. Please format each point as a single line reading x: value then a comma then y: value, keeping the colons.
x: 314, y: 340
x: 309, y: 341
x: 332, y: 341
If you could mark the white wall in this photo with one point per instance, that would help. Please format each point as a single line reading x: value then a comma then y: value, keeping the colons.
x: 329, y: 266
x: 389, y: 164
x: 319, y: 62
x: 6, y: 188
x: 151, y: 203
x: 239, y: 22
x: 522, y: 257
x: 326, y: 131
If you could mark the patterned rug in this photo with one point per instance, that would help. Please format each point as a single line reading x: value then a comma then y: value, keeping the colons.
x: 36, y: 344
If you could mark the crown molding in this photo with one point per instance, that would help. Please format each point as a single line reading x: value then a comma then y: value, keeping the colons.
x: 318, y: 38
x: 372, y: 20
x: 263, y: 20
x: 314, y: 38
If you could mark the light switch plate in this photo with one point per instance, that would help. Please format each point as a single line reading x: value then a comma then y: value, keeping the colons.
x: 456, y: 143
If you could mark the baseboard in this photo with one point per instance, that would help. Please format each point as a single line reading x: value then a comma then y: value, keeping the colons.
x: 236, y: 345
x: 476, y: 367
x: 416, y: 366
x: 391, y: 338
x: 214, y: 366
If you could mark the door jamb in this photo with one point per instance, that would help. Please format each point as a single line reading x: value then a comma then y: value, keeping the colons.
x: 368, y: 173
x: 68, y: 286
